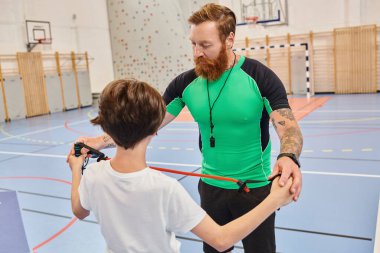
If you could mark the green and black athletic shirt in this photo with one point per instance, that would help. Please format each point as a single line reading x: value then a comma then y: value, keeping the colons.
x: 240, y: 116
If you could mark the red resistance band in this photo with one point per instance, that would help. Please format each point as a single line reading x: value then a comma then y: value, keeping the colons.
x: 242, y: 185
x: 100, y: 156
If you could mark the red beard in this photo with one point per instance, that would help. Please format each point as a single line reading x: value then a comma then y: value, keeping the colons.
x: 212, y: 69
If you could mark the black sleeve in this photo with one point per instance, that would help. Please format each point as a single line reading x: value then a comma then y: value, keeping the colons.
x: 178, y: 85
x: 268, y: 82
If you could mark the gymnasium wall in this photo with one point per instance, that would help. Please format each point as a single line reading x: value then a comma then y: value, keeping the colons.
x: 77, y: 26
x: 150, y: 38
x: 320, y: 18
x: 317, y: 16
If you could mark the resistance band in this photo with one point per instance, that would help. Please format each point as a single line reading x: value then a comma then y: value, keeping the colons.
x: 101, y: 156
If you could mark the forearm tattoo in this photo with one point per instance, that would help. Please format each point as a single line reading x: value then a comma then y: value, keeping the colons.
x: 108, y: 141
x: 291, y: 141
x: 287, y: 114
x: 290, y: 134
x: 281, y: 123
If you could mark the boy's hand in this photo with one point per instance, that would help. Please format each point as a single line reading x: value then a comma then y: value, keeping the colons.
x: 94, y: 142
x: 281, y: 194
x: 75, y: 163
x: 288, y: 169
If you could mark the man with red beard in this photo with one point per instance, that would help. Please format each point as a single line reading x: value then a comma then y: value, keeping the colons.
x: 232, y: 98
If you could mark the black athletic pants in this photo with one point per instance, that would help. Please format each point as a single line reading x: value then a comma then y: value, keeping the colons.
x: 224, y: 205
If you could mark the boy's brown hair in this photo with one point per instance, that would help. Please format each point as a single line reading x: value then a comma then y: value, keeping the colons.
x: 129, y: 111
x: 223, y: 16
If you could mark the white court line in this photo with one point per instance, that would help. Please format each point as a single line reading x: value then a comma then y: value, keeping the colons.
x: 339, y: 174
x: 376, y: 248
x: 180, y: 129
x: 41, y: 130
x: 335, y: 111
x: 176, y: 164
x: 63, y: 156
x: 31, y: 154
x: 183, y: 122
x: 198, y: 165
x: 337, y: 120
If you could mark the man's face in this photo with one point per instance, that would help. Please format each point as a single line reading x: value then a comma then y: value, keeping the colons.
x: 210, y: 55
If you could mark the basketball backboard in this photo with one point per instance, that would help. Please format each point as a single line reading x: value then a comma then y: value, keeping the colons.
x: 37, y: 32
x: 268, y: 12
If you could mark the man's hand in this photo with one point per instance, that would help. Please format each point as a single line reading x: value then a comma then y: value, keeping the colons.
x: 281, y: 194
x: 291, y: 141
x: 288, y: 170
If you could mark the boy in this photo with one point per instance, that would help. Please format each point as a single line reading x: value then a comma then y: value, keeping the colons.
x: 140, y: 209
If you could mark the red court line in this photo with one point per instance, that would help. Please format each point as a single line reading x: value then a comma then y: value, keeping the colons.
x: 302, y: 107
x: 39, y: 178
x: 73, y: 130
x: 72, y: 221
x: 55, y: 235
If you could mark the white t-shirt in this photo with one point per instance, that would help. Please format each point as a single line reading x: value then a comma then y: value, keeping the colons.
x: 140, y: 211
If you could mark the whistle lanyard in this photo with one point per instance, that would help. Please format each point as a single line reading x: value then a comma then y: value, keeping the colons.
x: 212, y: 138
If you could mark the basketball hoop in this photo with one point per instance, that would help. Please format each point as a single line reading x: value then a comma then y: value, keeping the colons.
x: 44, y: 41
x: 38, y: 41
x: 253, y: 25
x: 37, y: 33
x: 251, y: 21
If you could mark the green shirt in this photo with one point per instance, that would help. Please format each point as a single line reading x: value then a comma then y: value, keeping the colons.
x: 240, y: 116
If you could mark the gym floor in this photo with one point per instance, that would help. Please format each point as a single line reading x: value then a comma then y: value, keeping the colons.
x: 337, y: 211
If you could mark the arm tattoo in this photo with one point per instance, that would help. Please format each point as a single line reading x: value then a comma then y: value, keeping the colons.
x: 291, y: 141
x: 106, y: 140
x: 288, y: 131
x: 282, y: 123
x: 287, y: 114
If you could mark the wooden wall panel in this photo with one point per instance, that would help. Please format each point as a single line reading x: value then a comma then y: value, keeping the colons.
x: 378, y: 67
x: 280, y: 66
x: 32, y: 74
x: 323, y: 58
x: 355, y: 59
x: 359, y: 54
x: 3, y: 98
